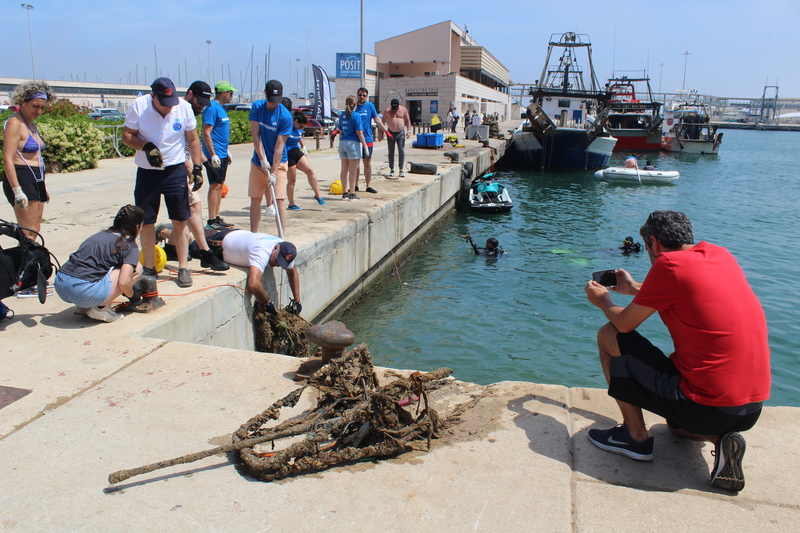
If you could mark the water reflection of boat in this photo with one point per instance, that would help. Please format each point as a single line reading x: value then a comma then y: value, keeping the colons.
x: 565, y: 126
x: 635, y: 122
x: 687, y: 128
x: 645, y: 177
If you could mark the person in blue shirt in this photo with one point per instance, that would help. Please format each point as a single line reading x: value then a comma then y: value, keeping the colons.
x: 216, y: 136
x: 368, y: 113
x: 297, y: 154
x: 351, y: 144
x: 270, y: 126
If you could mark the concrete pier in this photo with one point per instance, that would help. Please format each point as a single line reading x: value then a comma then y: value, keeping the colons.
x: 95, y: 398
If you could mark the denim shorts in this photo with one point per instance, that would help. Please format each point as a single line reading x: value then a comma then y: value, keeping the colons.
x: 349, y: 150
x: 83, y: 293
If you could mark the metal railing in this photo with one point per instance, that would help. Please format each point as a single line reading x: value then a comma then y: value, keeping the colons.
x: 115, y: 136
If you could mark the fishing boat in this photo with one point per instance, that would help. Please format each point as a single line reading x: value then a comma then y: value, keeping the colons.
x: 565, y: 124
x: 645, y: 177
x: 634, y: 119
x: 687, y: 128
x: 489, y: 196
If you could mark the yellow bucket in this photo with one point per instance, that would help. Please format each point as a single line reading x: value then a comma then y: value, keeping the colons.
x: 160, y: 258
x: 336, y: 187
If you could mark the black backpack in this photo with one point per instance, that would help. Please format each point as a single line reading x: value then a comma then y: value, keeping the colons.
x: 24, y: 266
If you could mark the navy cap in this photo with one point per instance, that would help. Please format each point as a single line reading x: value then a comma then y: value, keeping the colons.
x: 165, y: 91
x: 274, y: 91
x: 395, y: 103
x: 286, y: 254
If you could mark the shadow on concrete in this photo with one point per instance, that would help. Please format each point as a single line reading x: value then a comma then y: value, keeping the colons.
x: 677, y: 463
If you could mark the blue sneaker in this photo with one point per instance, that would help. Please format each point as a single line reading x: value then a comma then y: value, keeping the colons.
x: 618, y: 440
x: 727, y: 473
x: 293, y: 207
x: 319, y: 200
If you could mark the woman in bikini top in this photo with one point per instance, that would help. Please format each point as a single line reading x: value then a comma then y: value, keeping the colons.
x: 22, y: 154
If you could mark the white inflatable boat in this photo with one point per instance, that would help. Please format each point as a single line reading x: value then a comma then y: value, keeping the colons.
x: 645, y: 177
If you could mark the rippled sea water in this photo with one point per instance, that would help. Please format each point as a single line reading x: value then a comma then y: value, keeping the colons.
x: 524, y: 316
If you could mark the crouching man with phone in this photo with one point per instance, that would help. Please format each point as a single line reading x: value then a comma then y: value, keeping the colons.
x: 713, y: 385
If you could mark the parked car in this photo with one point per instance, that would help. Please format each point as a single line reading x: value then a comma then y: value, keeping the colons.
x: 106, y: 113
x: 314, y: 125
x: 243, y: 107
x: 6, y: 107
x: 233, y: 107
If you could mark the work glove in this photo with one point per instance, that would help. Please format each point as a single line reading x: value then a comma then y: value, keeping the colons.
x: 269, y: 307
x: 135, y: 298
x: 20, y: 200
x: 230, y: 161
x: 215, y: 162
x: 212, y: 172
x: 196, y: 178
x: 153, y: 155
x: 304, y: 150
x: 294, y: 307
x: 389, y: 135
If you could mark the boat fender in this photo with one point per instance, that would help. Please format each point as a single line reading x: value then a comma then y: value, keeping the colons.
x: 469, y: 166
x: 422, y: 168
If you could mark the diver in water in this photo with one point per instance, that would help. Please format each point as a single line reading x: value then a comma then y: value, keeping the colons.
x: 630, y: 247
x: 492, y: 247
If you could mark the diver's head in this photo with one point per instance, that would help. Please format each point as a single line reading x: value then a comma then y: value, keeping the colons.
x: 491, y: 243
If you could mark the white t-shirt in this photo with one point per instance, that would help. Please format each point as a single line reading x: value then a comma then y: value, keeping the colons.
x: 244, y: 248
x: 167, y: 133
x: 476, y: 119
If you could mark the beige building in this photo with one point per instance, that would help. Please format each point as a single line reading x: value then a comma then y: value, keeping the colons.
x: 432, y: 70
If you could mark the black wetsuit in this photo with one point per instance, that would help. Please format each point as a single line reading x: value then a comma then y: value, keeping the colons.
x: 484, y: 251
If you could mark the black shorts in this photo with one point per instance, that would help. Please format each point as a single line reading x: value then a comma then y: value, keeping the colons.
x: 217, y: 175
x: 366, y: 153
x: 170, y: 182
x: 295, y: 155
x: 643, y: 376
x: 31, y: 181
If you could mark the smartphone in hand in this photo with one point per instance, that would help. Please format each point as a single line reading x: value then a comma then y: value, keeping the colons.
x: 606, y: 278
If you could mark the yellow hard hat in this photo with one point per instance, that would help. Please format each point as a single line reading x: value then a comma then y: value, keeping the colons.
x: 160, y: 258
x: 336, y: 187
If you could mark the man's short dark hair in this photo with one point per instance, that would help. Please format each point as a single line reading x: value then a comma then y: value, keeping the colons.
x: 671, y: 228
x: 363, y: 89
x: 287, y: 103
x: 492, y: 241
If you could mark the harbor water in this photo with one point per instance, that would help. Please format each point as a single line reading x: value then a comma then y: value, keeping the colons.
x: 524, y: 316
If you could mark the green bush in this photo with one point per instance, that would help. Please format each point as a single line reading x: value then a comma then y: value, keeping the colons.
x: 240, y: 127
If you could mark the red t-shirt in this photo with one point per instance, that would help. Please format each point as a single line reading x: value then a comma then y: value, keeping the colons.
x: 716, y: 322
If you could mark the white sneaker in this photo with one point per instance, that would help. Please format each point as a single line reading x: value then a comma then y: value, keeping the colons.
x: 269, y: 211
x: 104, y: 314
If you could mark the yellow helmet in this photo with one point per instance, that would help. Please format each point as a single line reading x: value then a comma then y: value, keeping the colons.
x: 160, y: 258
x: 336, y: 187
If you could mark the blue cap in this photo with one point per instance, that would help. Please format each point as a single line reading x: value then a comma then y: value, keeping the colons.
x: 165, y: 91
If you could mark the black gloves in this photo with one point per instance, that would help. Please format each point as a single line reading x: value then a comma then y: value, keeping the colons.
x: 135, y: 297
x: 294, y: 307
x: 153, y: 155
x: 212, y: 172
x: 197, y: 177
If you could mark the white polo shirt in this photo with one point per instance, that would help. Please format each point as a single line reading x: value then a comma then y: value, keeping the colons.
x: 244, y: 248
x: 167, y: 133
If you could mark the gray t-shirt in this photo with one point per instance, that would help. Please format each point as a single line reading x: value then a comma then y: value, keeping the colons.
x: 97, y: 255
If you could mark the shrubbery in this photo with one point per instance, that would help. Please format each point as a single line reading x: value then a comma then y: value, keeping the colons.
x: 74, y: 143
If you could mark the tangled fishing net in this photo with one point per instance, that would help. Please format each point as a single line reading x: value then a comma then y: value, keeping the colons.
x: 281, y: 332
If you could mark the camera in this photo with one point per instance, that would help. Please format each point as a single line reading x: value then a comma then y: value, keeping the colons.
x: 607, y: 278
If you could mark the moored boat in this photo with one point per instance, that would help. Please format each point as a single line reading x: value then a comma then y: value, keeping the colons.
x: 566, y: 119
x: 645, y: 177
x: 634, y: 119
x: 489, y: 196
x: 687, y: 128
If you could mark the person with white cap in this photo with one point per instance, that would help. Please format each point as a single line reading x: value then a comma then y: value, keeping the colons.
x: 159, y: 126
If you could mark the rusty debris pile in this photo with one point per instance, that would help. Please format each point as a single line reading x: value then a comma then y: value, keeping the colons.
x: 354, y: 419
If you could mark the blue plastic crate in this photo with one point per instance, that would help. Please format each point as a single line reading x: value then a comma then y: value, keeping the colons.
x: 430, y: 140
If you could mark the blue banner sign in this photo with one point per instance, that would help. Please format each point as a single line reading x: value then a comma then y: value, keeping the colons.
x: 348, y: 65
x: 434, y: 106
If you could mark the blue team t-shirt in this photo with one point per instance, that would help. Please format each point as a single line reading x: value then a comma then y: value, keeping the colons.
x: 350, y: 126
x: 216, y: 116
x: 272, y: 124
x: 294, y: 139
x: 367, y: 112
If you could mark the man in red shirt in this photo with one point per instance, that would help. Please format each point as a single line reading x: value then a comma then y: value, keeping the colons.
x: 713, y: 385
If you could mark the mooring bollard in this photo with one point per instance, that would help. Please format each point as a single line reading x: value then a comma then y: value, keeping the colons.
x: 333, y: 337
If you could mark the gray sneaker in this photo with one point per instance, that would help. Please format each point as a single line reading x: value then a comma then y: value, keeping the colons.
x: 354, y: 197
x: 184, y: 278
x: 727, y: 472
x: 215, y: 224
x: 104, y: 314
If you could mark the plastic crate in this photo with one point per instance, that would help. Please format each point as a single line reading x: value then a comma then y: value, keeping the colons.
x: 430, y: 140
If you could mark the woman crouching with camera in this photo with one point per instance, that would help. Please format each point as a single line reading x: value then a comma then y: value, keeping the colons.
x: 105, y: 266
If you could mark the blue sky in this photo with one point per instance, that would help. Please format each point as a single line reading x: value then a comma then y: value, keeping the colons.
x: 735, y: 47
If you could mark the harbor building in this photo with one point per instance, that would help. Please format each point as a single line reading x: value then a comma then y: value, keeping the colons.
x: 430, y: 70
